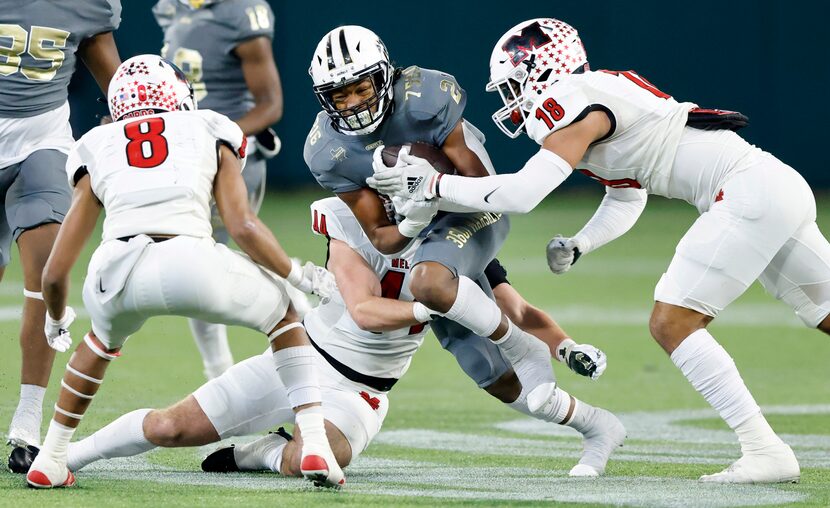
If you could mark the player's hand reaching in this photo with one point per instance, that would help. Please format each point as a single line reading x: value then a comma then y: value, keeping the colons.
x: 411, y: 177
x: 417, y: 214
x: 312, y: 279
x: 562, y: 253
x: 584, y: 359
x: 57, y: 330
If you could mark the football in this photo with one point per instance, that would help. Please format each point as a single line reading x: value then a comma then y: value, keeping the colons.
x: 433, y: 154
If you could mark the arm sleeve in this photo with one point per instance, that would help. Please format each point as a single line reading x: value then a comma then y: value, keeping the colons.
x: 619, y: 210
x: 519, y: 192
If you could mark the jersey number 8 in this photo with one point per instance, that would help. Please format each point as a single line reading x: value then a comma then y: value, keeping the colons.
x: 147, y: 147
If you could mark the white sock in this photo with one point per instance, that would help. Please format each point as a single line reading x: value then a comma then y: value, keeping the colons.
x: 212, y: 341
x: 298, y: 373
x: 122, y: 438
x: 529, y: 356
x: 313, y: 429
x: 57, y: 441
x: 756, y: 433
x: 473, y: 309
x: 713, y: 374
x: 549, y: 403
x: 32, y: 396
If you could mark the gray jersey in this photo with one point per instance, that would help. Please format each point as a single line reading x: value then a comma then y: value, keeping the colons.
x: 202, y: 42
x: 427, y: 106
x: 38, y: 41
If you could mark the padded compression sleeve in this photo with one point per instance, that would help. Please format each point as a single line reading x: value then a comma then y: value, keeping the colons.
x: 619, y: 210
x: 519, y: 192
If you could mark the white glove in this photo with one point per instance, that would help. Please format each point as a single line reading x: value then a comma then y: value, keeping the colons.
x: 311, y: 278
x: 584, y: 359
x: 562, y: 253
x: 418, y: 216
x: 57, y: 330
x: 412, y: 177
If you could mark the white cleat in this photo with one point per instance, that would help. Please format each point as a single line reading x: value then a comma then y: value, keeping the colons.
x: 583, y: 471
x: 47, y: 473
x: 252, y: 456
x: 773, y: 464
x: 320, y: 467
x: 605, y: 435
x: 25, y: 428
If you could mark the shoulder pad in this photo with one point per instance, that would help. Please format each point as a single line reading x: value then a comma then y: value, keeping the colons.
x: 558, y: 106
x: 334, y: 176
x: 431, y: 98
x: 225, y: 131
x: 332, y: 218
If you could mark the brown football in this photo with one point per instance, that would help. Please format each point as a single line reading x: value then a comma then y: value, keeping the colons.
x: 434, y: 155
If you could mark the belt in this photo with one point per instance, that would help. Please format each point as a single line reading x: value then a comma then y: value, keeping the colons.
x: 380, y: 384
x: 156, y: 239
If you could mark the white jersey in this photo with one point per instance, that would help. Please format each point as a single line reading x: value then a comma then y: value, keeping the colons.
x: 154, y: 174
x: 377, y: 354
x: 20, y: 137
x: 646, y: 126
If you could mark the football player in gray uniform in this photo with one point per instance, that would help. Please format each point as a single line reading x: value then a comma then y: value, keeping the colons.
x: 367, y: 103
x: 40, y: 42
x: 224, y: 49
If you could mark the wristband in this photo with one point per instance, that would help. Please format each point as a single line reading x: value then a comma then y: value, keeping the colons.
x: 295, y: 276
x: 422, y: 313
x: 562, y: 349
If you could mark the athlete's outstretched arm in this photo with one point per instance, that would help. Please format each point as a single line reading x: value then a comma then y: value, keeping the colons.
x: 520, y: 192
x: 100, y: 55
x: 369, y: 210
x: 618, y: 212
x: 360, y: 287
x: 263, y: 80
x: 465, y: 160
x: 252, y: 236
x: 76, y: 229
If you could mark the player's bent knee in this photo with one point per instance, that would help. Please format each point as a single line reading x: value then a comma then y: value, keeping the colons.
x: 162, y: 429
x: 670, y: 324
x: 433, y: 285
x: 507, y: 388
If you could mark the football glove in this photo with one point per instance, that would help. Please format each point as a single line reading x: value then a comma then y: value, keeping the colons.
x: 57, y: 330
x: 312, y: 279
x: 411, y: 177
x: 268, y: 143
x: 584, y: 359
x: 417, y: 215
x: 562, y: 253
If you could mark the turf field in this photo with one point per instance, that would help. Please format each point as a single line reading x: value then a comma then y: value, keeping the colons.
x: 446, y: 442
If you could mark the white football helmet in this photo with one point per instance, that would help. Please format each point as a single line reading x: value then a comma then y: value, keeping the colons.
x: 148, y: 84
x: 347, y: 55
x: 526, y: 60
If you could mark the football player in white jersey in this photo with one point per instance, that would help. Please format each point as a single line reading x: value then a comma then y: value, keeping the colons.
x: 757, y: 217
x: 154, y: 171
x: 365, y: 336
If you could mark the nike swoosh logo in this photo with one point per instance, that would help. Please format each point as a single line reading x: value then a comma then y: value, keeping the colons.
x: 487, y: 197
x: 101, y: 286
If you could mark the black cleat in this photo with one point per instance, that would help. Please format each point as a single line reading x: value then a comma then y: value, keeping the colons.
x: 220, y: 461
x: 20, y: 460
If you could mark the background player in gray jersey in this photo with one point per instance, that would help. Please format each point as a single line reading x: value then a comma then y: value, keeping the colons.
x: 40, y: 41
x: 224, y: 48
x: 366, y: 104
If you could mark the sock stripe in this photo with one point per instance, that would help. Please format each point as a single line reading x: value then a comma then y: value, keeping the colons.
x: 82, y: 375
x: 276, y: 333
x: 67, y: 413
x: 76, y: 392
